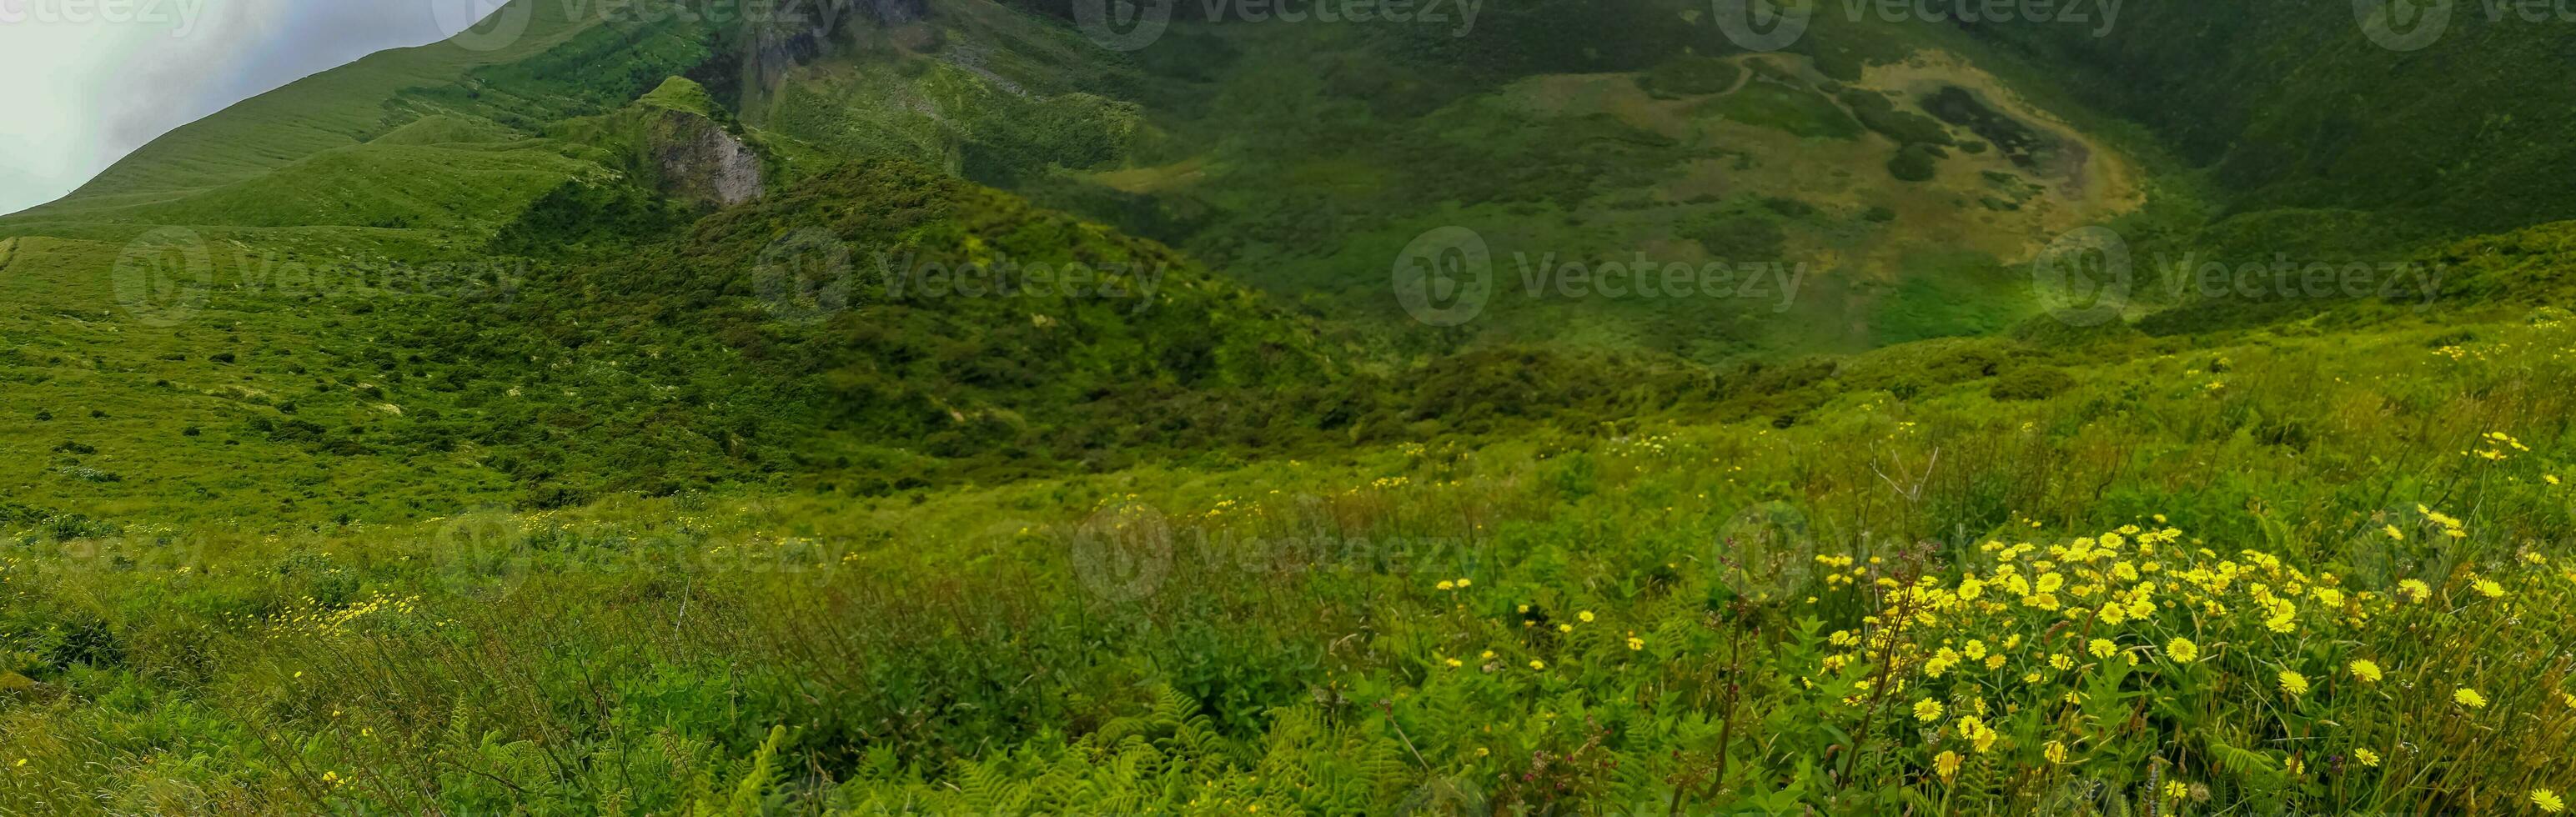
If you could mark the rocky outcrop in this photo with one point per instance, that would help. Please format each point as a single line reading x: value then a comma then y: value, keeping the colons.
x: 804, y: 28
x: 698, y: 159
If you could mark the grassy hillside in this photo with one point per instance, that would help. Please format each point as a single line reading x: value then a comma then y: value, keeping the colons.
x: 2421, y: 144
x: 1305, y: 158
x: 453, y: 432
x: 415, y: 275
x: 1680, y: 614
x: 1301, y: 159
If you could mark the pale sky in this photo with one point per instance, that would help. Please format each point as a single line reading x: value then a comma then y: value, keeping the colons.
x: 91, y: 80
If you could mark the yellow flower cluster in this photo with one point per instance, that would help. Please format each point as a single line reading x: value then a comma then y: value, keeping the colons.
x: 2062, y: 614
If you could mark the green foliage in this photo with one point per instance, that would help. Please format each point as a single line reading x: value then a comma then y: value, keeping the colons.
x: 1878, y: 113
x: 1690, y: 76
x: 1799, y: 111
x: 2032, y: 384
x: 1298, y: 636
x: 2254, y: 101
x: 587, y: 497
x: 1915, y: 162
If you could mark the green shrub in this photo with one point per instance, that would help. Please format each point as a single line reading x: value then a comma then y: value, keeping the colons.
x: 2031, y: 383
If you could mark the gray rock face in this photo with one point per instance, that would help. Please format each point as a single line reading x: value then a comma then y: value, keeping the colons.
x: 701, y: 160
x: 802, y: 28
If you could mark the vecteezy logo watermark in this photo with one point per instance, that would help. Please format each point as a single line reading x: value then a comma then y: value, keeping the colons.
x: 2407, y: 25
x: 1766, y: 551
x: 1763, y: 25
x: 1123, y: 25
x: 1772, y: 25
x: 483, y: 25
x: 1130, y: 25
x: 179, y: 15
x: 2083, y: 277
x: 163, y: 276
x: 804, y: 275
x: 1446, y: 277
x: 1123, y: 551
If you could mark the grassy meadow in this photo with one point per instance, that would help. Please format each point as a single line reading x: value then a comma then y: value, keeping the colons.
x: 468, y: 458
x: 2285, y: 571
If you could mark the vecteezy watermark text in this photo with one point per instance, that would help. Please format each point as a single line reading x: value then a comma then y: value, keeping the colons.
x: 2085, y: 278
x: 179, y: 15
x: 2191, y: 275
x: 1446, y: 276
x: 2098, y: 15
x: 2409, y: 25
x: 492, y: 25
x: 1642, y: 277
x: 908, y: 277
x: 809, y: 274
x: 1129, y: 25
x: 167, y: 275
x: 1772, y: 25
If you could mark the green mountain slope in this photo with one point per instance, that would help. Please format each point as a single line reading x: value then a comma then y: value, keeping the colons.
x: 473, y: 221
x: 922, y: 409
x: 2295, y: 108
x: 1349, y: 634
x: 416, y: 270
x: 1305, y: 158
x: 336, y: 108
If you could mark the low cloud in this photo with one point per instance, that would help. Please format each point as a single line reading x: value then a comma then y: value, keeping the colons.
x: 88, y: 88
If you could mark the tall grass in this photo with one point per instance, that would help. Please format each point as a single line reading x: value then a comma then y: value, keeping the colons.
x: 1693, y: 618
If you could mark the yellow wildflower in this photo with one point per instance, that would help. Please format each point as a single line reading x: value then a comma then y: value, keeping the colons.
x: 2294, y: 683
x: 2547, y: 801
x: 1927, y: 710
x: 2182, y: 651
x: 2470, y: 698
x: 2366, y: 670
x: 1977, y: 733
x: 2414, y: 590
